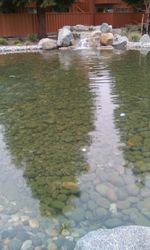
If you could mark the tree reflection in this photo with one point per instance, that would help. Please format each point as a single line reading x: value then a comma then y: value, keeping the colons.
x: 132, y: 116
x: 47, y: 116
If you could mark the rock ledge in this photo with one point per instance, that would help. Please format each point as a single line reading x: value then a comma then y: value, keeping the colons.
x: 119, y: 238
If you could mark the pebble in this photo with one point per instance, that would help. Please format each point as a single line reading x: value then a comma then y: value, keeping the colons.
x: 33, y: 223
x: 113, y: 208
x: 15, y: 244
x: 51, y: 246
x: 27, y: 245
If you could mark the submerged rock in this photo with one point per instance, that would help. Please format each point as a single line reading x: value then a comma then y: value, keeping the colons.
x: 122, y: 238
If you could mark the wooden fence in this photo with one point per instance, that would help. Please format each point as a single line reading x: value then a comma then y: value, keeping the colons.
x: 23, y: 24
x: 118, y: 20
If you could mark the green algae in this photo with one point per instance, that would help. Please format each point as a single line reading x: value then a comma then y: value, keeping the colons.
x: 133, y: 96
x: 46, y: 112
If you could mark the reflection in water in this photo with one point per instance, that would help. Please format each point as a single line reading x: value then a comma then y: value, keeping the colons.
x: 47, y: 112
x: 47, y: 117
x: 134, y: 101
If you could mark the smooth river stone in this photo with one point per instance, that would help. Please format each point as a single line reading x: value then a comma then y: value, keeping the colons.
x: 102, y: 202
x: 92, y: 205
x: 139, y: 219
x: 133, y: 199
x: 89, y: 215
x: 145, y: 192
x: 34, y: 223
x: 111, y: 195
x: 100, y: 212
x: 144, y: 207
x: 121, y: 194
x: 116, y: 179
x: 102, y: 189
x: 113, y: 222
x: 132, y: 189
x: 78, y: 215
x: 123, y: 204
x: 84, y: 197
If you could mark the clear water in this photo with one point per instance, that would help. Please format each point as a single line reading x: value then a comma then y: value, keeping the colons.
x: 74, y: 145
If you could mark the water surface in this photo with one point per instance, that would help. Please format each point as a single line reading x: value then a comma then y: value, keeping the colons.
x: 74, y: 145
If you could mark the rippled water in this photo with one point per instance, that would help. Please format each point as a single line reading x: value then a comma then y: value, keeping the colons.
x: 74, y: 146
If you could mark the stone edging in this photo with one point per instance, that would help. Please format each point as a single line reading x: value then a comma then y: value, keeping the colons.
x: 19, y: 49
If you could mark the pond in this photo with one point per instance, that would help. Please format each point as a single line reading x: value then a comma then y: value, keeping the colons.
x: 74, y: 146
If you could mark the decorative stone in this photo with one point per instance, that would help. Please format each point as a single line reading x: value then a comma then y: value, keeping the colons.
x: 105, y: 28
x: 111, y: 195
x: 113, y: 222
x: 27, y: 245
x: 47, y: 44
x: 34, y: 223
x: 106, y: 39
x: 65, y: 37
x: 120, y: 42
x: 51, y: 246
x: 132, y: 189
x: 122, y: 238
x: 102, y: 189
x: 101, y: 212
x: 15, y: 244
x: 145, y: 39
x: 70, y: 185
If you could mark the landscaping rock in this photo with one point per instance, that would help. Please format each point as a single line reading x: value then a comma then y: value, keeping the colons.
x: 47, y: 44
x: 105, y: 28
x: 65, y: 37
x: 120, y: 42
x: 122, y: 238
x: 106, y: 39
x: 145, y: 39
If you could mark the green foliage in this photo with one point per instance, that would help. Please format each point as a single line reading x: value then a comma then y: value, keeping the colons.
x: 134, y: 36
x: 17, y: 42
x: 3, y: 41
x: 33, y: 37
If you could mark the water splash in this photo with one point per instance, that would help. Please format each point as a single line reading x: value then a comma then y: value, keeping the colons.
x: 83, y: 44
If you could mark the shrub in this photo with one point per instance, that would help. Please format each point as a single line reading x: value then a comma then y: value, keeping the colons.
x: 17, y: 42
x: 33, y: 37
x: 3, y: 41
x: 134, y: 36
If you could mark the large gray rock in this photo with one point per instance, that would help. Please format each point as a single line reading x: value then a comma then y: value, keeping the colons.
x: 105, y: 28
x: 47, y: 44
x: 65, y: 37
x: 145, y: 39
x: 120, y: 238
x: 120, y: 42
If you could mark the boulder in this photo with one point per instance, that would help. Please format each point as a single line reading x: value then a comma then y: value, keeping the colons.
x: 47, y: 44
x: 95, y: 38
x: 80, y: 27
x: 65, y: 37
x: 145, y: 39
x: 106, y: 39
x: 120, y: 42
x: 105, y: 28
x: 121, y: 238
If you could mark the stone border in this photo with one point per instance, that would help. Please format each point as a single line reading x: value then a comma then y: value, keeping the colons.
x: 19, y: 49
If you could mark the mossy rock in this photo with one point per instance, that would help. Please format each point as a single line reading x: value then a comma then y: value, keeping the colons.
x: 135, y: 141
x: 58, y: 204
